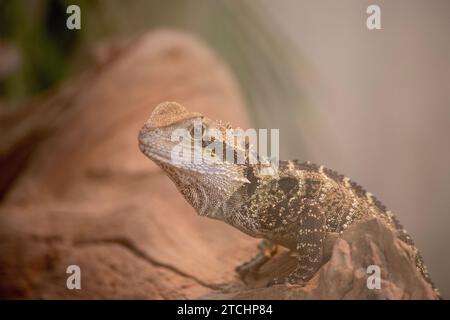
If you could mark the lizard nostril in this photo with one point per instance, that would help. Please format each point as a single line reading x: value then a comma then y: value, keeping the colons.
x: 142, y: 135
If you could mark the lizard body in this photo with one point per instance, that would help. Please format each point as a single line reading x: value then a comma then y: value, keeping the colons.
x: 296, y: 208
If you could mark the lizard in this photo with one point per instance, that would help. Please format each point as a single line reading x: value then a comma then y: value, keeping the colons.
x: 297, y: 207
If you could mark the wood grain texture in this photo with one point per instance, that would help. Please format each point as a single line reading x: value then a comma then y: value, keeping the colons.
x: 84, y: 194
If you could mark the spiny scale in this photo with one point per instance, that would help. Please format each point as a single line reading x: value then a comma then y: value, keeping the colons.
x: 297, y: 208
x: 366, y: 200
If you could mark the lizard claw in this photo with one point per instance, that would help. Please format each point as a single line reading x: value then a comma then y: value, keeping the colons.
x: 273, y: 282
x: 285, y: 280
x: 242, y: 269
x: 245, y: 270
x: 282, y: 280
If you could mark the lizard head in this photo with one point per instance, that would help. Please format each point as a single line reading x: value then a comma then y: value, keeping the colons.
x: 192, y: 150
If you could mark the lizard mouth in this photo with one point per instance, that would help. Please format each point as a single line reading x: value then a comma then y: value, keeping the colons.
x: 155, y: 152
x: 152, y: 149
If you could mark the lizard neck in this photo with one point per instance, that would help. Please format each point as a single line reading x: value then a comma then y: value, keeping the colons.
x: 246, y: 207
x: 205, y: 193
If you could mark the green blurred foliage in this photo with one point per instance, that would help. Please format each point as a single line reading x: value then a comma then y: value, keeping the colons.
x: 266, y: 64
x: 37, y: 29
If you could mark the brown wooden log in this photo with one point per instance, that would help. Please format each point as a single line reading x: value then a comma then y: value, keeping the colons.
x: 76, y: 190
x: 84, y: 194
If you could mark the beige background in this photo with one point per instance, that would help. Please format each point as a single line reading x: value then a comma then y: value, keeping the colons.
x: 384, y: 103
x: 374, y: 105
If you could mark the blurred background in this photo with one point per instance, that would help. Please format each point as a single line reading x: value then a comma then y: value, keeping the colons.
x: 373, y: 105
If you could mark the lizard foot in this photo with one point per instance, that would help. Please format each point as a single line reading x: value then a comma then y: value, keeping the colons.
x: 293, y: 278
x: 244, y: 270
x: 266, y: 251
x: 286, y: 280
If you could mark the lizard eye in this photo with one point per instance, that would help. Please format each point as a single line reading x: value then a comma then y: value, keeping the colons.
x: 197, y: 131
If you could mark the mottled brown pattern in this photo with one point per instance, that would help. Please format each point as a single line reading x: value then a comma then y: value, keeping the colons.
x: 295, y: 208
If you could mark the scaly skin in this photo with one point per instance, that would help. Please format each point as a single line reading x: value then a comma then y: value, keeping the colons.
x: 296, y: 208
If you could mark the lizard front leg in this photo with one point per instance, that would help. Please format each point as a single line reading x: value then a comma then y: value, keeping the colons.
x: 309, y: 246
x: 267, y: 249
